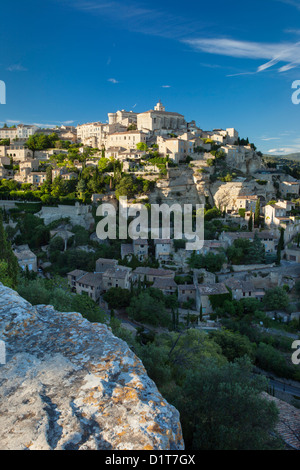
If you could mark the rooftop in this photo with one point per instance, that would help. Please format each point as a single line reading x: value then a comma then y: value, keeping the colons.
x: 164, y: 284
x: 118, y: 273
x: 212, y: 289
x: 91, y: 279
x: 154, y: 272
x: 77, y: 273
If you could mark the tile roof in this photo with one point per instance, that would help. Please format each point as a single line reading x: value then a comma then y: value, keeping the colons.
x: 77, y: 273
x: 154, y: 272
x: 186, y: 287
x: 289, y: 422
x: 91, y: 279
x: 212, y: 289
x: 119, y: 272
x: 164, y: 284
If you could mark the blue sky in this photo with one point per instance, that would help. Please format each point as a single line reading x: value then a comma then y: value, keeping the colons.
x: 223, y: 63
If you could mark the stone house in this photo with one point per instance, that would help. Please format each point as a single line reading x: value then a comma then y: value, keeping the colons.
x: 268, y: 238
x: 293, y: 253
x: 278, y: 213
x: 127, y: 140
x: 167, y: 286
x: 204, y: 291
x: 89, y: 283
x: 151, y: 274
x: 246, y: 202
x: 186, y: 292
x: 243, y: 289
x: 103, y: 264
x: 290, y: 188
x: 26, y: 257
x: 158, y: 119
x: 163, y: 250
x: 119, y: 276
x: 140, y: 249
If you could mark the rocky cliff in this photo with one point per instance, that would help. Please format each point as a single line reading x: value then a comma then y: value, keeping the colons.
x: 70, y: 384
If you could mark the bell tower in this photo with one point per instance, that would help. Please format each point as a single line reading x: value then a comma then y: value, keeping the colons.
x: 159, y: 107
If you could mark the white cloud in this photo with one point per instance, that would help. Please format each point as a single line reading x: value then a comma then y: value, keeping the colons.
x: 293, y: 3
x: 284, y: 150
x: 273, y: 52
x: 113, y: 80
x: 16, y: 68
x: 135, y: 17
x: 166, y: 86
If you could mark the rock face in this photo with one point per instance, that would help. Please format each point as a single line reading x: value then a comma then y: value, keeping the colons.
x: 70, y: 384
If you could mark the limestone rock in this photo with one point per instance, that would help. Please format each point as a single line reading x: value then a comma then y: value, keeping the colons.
x: 71, y: 384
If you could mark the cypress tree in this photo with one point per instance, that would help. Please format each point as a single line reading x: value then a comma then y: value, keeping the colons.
x: 257, y: 213
x: 250, y: 222
x: 7, y: 255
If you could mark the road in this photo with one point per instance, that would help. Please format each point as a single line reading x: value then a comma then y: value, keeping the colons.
x: 283, y: 387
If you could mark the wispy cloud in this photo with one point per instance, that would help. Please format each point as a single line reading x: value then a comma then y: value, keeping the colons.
x: 10, y: 121
x: 293, y: 3
x: 16, y: 68
x: 134, y: 17
x: 292, y: 31
x: 289, y: 53
x: 113, y: 80
x: 284, y: 150
x: 166, y: 86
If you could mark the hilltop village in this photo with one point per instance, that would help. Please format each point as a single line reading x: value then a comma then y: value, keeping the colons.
x: 242, y: 290
x: 154, y: 157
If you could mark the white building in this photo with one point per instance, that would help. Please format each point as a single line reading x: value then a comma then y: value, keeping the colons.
x: 21, y: 131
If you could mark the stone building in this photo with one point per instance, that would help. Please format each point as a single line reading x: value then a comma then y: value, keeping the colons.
x: 26, y: 258
x: 117, y: 277
x: 127, y: 140
x: 84, y: 282
x: 158, y: 119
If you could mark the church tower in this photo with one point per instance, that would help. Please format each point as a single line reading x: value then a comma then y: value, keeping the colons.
x: 159, y: 107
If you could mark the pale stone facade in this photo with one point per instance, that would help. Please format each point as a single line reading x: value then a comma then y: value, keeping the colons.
x: 290, y: 188
x: 26, y: 258
x: 159, y: 120
x: 125, y: 118
x: 21, y: 131
x: 126, y: 140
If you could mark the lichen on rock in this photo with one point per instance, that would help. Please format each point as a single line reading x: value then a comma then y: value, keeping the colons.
x: 70, y: 384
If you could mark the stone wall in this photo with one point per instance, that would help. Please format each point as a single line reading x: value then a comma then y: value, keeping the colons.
x: 72, y: 385
x: 78, y: 214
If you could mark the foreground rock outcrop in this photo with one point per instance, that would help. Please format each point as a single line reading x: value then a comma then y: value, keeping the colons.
x: 70, y: 384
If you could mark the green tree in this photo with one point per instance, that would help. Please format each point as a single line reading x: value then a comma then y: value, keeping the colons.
x: 127, y: 186
x: 116, y: 297
x: 142, y: 146
x: 257, y: 213
x: 256, y: 251
x: 149, y: 309
x: 276, y: 299
x: 9, y: 262
x: 233, y: 344
x: 222, y: 409
x: 250, y: 221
